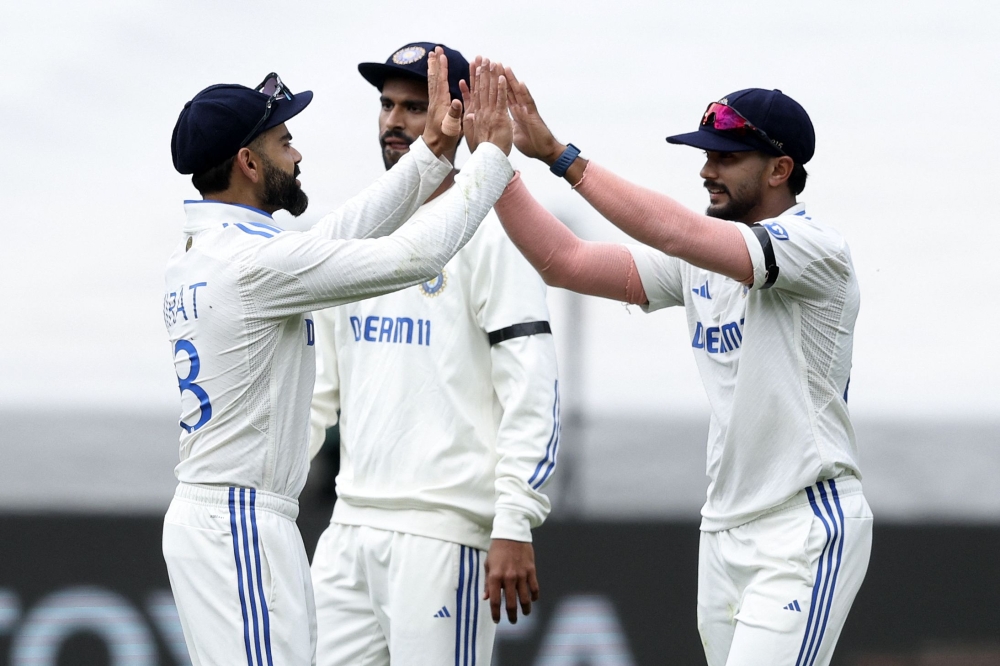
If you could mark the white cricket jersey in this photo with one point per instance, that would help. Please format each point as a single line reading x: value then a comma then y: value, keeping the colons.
x: 443, y: 434
x: 239, y: 290
x: 775, y: 361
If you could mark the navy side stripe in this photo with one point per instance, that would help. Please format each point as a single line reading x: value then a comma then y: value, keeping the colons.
x: 260, y: 581
x: 551, y: 448
x: 838, y: 522
x: 475, y: 613
x: 458, y: 603
x: 246, y: 554
x: 824, y: 584
x: 468, y: 608
x: 239, y: 572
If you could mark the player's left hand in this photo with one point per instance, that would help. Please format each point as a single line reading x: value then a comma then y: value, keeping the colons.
x: 510, y: 566
x: 444, y: 115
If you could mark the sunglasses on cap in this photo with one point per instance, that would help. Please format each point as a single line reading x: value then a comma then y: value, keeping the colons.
x: 275, y: 89
x: 727, y: 119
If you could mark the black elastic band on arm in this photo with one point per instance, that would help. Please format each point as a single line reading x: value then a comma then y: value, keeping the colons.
x: 519, y: 331
x: 770, y: 265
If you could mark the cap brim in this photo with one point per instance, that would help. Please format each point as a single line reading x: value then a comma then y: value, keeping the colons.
x: 376, y: 73
x: 708, y: 140
x: 286, y: 109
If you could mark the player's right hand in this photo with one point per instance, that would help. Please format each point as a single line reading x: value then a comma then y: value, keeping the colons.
x: 443, y: 113
x: 531, y: 135
x: 486, y: 117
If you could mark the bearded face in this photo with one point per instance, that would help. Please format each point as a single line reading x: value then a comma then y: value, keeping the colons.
x: 280, y: 189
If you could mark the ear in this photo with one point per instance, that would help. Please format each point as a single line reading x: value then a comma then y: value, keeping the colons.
x: 249, y: 165
x: 781, y: 169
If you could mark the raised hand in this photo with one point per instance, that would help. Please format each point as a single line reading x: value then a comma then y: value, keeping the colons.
x: 486, y: 115
x: 444, y: 115
x: 531, y: 135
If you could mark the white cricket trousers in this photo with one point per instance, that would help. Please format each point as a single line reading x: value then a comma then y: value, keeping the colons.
x: 388, y: 597
x: 776, y: 591
x: 240, y: 577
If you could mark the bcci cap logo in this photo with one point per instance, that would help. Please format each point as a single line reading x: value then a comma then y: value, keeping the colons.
x: 408, y: 55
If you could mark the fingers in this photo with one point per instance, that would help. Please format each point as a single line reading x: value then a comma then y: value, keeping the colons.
x: 493, y: 594
x: 510, y: 597
x: 524, y: 595
x: 452, y: 125
x: 533, y: 585
x: 501, y: 100
x: 466, y: 93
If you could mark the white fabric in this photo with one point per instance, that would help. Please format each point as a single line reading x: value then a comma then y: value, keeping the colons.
x: 443, y: 435
x: 775, y: 364
x: 237, y: 303
x: 380, y: 592
x: 248, y: 602
x: 777, y: 590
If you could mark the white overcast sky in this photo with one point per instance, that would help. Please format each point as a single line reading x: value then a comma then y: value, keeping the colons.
x: 904, y: 97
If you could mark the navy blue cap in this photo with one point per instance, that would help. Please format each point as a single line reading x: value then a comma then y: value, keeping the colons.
x: 213, y: 125
x: 778, y: 115
x: 411, y: 62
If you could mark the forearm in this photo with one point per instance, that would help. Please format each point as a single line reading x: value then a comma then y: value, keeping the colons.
x: 525, y: 381
x: 560, y: 257
x: 663, y: 223
x: 386, y: 204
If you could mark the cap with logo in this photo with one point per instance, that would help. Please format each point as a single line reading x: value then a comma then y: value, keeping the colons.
x: 777, y: 123
x: 221, y: 119
x: 411, y: 62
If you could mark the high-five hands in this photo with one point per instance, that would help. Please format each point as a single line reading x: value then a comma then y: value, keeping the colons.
x: 444, y: 115
x: 486, y: 117
x: 531, y: 135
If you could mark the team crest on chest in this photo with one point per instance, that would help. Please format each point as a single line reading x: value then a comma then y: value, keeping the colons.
x: 433, y: 288
x: 408, y: 55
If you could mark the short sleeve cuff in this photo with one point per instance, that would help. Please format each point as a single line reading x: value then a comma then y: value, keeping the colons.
x: 756, y: 255
x: 512, y: 526
x: 647, y: 273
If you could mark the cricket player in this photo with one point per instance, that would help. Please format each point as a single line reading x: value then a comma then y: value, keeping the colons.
x: 449, y: 429
x: 239, y: 290
x: 771, y: 298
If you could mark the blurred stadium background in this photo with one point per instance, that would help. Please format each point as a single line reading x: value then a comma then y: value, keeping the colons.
x: 902, y: 93
x: 82, y: 580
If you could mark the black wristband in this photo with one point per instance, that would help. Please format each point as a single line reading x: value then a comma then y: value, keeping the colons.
x: 562, y: 164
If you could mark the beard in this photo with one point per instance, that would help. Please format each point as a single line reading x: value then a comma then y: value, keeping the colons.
x: 739, y: 205
x: 389, y: 155
x: 281, y: 190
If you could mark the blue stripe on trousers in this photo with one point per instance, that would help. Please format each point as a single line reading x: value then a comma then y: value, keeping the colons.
x: 260, y: 582
x: 246, y: 554
x: 239, y: 572
x: 458, y: 603
x: 468, y: 609
x: 475, y: 613
x: 813, y: 637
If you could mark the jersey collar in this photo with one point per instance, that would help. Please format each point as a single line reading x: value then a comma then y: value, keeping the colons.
x: 798, y: 209
x: 205, y: 214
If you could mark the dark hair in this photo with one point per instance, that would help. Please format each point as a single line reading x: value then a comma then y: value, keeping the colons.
x: 214, y: 179
x: 797, y: 179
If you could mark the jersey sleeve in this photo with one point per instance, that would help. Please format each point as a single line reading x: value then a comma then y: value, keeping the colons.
x: 293, y: 272
x: 509, y: 298
x: 662, y: 277
x: 792, y: 253
x: 326, y: 391
x: 388, y: 202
